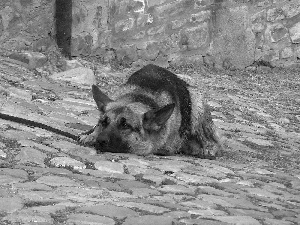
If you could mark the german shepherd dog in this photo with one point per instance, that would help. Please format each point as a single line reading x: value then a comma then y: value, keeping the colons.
x: 154, y: 112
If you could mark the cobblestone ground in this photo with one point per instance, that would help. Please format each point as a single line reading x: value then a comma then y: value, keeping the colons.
x: 49, y: 179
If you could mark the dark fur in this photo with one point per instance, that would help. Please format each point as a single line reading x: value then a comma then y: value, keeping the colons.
x: 154, y: 112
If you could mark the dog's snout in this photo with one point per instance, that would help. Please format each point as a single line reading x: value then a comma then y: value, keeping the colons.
x: 103, y: 140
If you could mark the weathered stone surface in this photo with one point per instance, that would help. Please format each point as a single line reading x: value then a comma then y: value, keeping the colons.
x: 67, y: 162
x: 258, y: 21
x: 238, y: 220
x: 291, y: 8
x: 275, y: 14
x: 150, y: 220
x: 124, y: 25
x: 9, y: 205
x: 56, y: 181
x: 202, y: 221
x: 144, y: 207
x: 71, y: 64
x: 254, y: 184
x: 109, y: 211
x: 178, y: 23
x: 87, y: 219
x: 2, y: 154
x: 269, y: 221
x: 31, y: 60
x: 278, y: 32
x: 26, y: 216
x: 80, y: 76
x: 32, y: 186
x: 234, y: 45
x: 112, y: 167
x: 16, y: 92
x: 26, y: 25
x: 227, y: 30
x: 194, y: 179
x: 200, y: 16
x: 286, y: 53
x: 82, y: 44
x: 14, y: 172
x: 6, y: 179
x: 144, y: 192
x: 260, y: 141
x: 177, y: 189
x: 31, y: 156
x: 150, y: 53
x: 295, y: 33
x: 29, y: 143
x: 197, y: 37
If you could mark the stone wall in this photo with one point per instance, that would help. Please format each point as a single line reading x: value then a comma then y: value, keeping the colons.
x: 222, y: 33
x: 27, y: 24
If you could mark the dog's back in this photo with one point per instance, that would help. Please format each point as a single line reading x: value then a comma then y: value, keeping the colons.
x: 158, y: 81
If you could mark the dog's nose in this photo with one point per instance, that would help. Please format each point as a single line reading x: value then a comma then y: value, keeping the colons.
x: 103, y: 140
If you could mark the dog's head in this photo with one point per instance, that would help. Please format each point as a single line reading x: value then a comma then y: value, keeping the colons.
x: 128, y: 127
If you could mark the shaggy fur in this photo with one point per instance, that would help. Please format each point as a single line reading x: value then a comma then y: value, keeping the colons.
x: 155, y: 112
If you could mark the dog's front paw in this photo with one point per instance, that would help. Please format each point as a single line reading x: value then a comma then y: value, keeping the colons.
x: 210, y: 151
x: 88, y: 140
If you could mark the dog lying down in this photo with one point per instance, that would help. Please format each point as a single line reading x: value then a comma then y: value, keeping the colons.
x: 154, y: 112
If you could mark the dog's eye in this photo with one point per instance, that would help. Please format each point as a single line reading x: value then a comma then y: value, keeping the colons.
x: 105, y: 122
x: 123, y: 124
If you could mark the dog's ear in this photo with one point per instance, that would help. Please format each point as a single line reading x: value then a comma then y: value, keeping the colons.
x: 154, y: 119
x: 100, y: 98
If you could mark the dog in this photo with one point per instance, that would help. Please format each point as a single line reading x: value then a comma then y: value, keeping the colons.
x: 154, y: 112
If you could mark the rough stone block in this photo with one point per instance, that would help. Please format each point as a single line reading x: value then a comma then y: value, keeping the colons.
x: 175, y: 24
x: 165, y: 9
x: 29, y: 59
x: 263, y: 3
x: 275, y: 14
x: 138, y: 5
x: 297, y: 52
x: 235, y: 41
x: 203, y: 3
x: 278, y: 32
x: 71, y: 64
x: 141, y: 34
x: 295, y: 33
x: 162, y: 61
x: 124, y: 25
x: 258, y: 21
x: 286, y: 53
x: 141, y: 45
x: 170, y: 44
x: 144, y: 19
x: 127, y: 54
x: 156, y: 30
x: 291, y: 9
x: 151, y: 52
x: 200, y: 16
x: 81, y: 44
x: 174, y: 8
x: 270, y: 56
x: 21, y: 25
x: 156, y: 2
x: 80, y: 76
x: 197, y: 37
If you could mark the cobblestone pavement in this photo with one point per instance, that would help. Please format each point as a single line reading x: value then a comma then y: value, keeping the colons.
x: 49, y: 179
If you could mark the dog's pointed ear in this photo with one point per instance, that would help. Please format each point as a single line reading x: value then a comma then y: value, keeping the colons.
x: 154, y: 119
x: 100, y: 98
